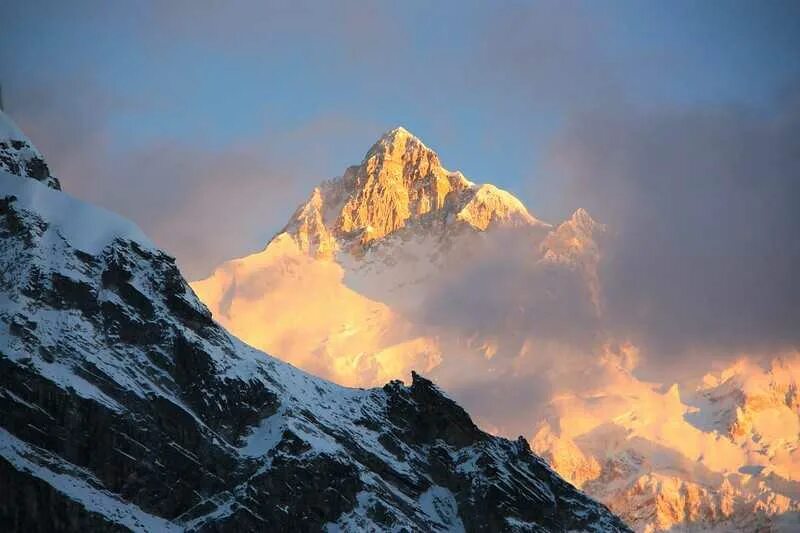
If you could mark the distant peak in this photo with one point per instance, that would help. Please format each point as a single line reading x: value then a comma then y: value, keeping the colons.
x: 580, y: 213
x: 492, y: 205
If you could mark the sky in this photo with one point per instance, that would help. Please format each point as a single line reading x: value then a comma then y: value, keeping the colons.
x: 676, y: 123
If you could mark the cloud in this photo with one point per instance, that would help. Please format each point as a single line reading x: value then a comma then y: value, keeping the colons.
x: 702, y: 202
x: 507, y: 402
x: 498, y: 287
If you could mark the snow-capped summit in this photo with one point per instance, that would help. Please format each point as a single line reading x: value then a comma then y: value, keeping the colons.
x: 19, y: 156
x: 399, y: 183
x: 491, y: 205
x: 394, y: 142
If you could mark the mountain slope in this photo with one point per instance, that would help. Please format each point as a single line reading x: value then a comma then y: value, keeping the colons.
x: 124, y: 406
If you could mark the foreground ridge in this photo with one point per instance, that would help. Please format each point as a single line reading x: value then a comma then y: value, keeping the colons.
x: 124, y: 406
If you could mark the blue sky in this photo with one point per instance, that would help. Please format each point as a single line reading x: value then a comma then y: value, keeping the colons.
x: 291, y: 93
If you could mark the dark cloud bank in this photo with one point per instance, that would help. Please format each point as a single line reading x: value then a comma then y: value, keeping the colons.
x: 705, y: 251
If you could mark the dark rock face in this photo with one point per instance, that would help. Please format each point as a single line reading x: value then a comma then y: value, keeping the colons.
x: 36, y: 507
x: 123, y: 406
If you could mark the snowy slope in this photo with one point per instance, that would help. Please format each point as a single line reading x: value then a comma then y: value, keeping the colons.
x: 123, y: 406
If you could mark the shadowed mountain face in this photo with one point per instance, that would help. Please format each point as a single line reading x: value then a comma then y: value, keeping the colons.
x: 400, y: 265
x: 124, y: 406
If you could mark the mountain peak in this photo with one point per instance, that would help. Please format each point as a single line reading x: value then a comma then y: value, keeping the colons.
x: 398, y: 132
x: 399, y: 181
x: 583, y: 220
x: 396, y: 143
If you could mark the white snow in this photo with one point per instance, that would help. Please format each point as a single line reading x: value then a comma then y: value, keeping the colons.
x: 264, y: 437
x: 440, y: 505
x: 86, y: 227
x: 57, y: 372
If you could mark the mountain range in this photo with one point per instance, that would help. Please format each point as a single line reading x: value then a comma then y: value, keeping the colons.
x: 125, y: 407
x: 400, y: 264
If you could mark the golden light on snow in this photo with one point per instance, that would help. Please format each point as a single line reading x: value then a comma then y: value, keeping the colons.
x: 288, y: 304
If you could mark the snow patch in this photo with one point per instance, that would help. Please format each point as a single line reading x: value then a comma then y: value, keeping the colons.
x: 440, y: 505
x: 263, y: 438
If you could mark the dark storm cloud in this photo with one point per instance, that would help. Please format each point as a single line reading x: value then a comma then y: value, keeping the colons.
x: 703, y: 205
